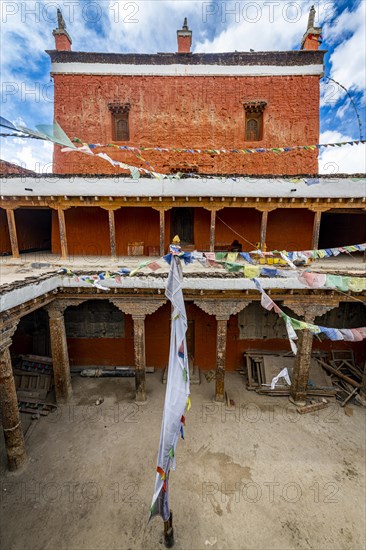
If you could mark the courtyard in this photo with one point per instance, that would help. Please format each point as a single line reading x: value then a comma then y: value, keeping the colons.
x: 253, y: 475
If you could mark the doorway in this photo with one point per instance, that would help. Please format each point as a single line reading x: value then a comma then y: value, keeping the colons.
x: 182, y: 225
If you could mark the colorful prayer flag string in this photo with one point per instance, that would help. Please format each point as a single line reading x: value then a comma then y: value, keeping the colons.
x: 292, y: 324
x: 218, y: 151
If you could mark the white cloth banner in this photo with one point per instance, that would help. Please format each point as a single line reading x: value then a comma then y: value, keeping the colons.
x: 177, y: 392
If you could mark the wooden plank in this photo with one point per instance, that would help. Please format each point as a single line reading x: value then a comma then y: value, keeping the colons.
x: 37, y: 359
x: 339, y: 374
x: 212, y: 230
x: 12, y: 232
x: 316, y: 230
x: 311, y: 408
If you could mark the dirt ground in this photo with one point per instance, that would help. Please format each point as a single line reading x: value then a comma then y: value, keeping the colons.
x: 256, y: 476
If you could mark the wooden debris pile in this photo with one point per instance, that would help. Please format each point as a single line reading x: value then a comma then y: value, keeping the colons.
x: 346, y: 376
x: 262, y: 367
x: 338, y: 377
x: 33, y: 375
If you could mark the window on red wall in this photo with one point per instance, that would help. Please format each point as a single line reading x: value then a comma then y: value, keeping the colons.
x: 253, y: 129
x: 120, y: 120
x: 121, y: 131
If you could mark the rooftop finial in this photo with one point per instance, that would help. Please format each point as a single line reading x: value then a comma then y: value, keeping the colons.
x: 60, y: 20
x: 311, y: 20
x: 312, y: 37
x: 184, y: 38
x: 62, y: 38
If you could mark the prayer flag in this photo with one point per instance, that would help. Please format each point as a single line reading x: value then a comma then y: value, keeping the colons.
x: 177, y: 392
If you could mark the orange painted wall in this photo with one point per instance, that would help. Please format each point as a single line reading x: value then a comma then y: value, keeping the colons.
x: 5, y: 246
x: 290, y: 229
x: 119, y: 351
x: 87, y: 231
x: 134, y: 225
x: 245, y: 221
x: 202, y: 220
x: 198, y: 112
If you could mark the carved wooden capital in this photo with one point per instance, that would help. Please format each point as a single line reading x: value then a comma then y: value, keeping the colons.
x: 213, y: 208
x: 56, y: 308
x: 222, y: 309
x: 254, y: 106
x: 266, y: 208
x: 117, y: 108
x: 309, y: 311
x: 318, y: 209
x: 137, y: 308
x: 162, y: 208
x: 7, y: 332
x: 113, y: 207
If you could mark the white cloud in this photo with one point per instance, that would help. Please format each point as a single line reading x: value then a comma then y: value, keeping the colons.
x: 349, y: 159
x: 31, y: 154
x: 257, y: 25
x: 150, y: 27
x: 348, y: 60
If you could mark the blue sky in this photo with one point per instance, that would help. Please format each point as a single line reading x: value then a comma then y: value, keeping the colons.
x: 150, y: 26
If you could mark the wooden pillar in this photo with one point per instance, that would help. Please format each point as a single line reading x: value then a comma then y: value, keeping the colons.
x: 300, y: 375
x: 264, y: 223
x: 316, y: 230
x: 112, y: 233
x: 363, y: 382
x: 222, y: 311
x: 212, y: 230
x: 140, y: 356
x: 162, y: 231
x: 221, y: 337
x: 60, y: 355
x: 138, y: 309
x: 13, y: 434
x: 62, y: 229
x: 12, y: 232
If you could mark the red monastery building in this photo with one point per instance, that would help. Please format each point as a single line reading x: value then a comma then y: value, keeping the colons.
x: 92, y: 216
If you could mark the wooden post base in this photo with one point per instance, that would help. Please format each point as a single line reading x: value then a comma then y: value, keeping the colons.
x: 169, y: 532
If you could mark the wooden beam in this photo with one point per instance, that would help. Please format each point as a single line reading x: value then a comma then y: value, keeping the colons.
x: 140, y: 359
x: 112, y: 233
x: 11, y: 424
x: 221, y: 337
x: 12, y: 232
x: 212, y: 230
x: 62, y: 229
x: 60, y: 355
x: 316, y: 230
x: 264, y: 228
x: 162, y: 231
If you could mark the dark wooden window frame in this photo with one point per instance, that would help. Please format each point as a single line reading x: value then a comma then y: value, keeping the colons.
x: 120, y: 113
x: 254, y: 112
